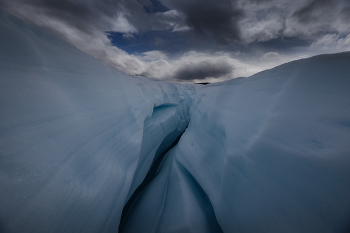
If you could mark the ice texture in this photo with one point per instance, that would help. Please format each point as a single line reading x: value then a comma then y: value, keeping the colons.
x: 268, y: 153
x: 76, y: 137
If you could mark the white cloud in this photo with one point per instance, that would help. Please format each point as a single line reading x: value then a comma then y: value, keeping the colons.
x: 332, y: 42
x: 271, y: 56
x: 152, y: 55
x: 121, y: 24
x: 180, y: 27
x: 128, y: 36
x: 262, y: 30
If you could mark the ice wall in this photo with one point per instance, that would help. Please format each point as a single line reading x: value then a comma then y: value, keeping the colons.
x: 76, y: 137
x: 268, y: 153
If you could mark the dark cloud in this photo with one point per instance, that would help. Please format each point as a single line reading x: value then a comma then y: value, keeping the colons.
x: 83, y: 15
x: 217, y: 19
x: 89, y: 15
x: 127, y: 34
x: 153, y: 6
x: 312, y: 11
x: 203, y: 70
x: 260, y: 1
x: 345, y: 14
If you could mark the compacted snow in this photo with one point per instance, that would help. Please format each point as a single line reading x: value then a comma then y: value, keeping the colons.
x: 268, y: 153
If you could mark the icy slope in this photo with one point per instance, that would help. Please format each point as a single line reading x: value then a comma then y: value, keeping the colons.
x: 269, y: 153
x: 76, y: 137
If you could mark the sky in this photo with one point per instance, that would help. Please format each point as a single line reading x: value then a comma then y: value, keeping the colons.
x: 192, y: 41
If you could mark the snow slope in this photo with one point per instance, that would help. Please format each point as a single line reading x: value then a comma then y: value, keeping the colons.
x: 76, y: 137
x: 268, y: 153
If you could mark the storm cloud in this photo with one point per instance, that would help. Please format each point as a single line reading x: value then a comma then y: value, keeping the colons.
x: 88, y: 15
x: 203, y: 70
x: 314, y: 10
x: 217, y: 19
x: 247, y: 32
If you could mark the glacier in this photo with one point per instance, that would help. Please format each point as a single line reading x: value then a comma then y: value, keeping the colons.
x: 268, y: 153
x: 81, y: 145
x: 77, y: 137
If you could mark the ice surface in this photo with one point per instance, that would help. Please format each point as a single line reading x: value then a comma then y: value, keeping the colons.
x: 76, y: 137
x: 269, y: 153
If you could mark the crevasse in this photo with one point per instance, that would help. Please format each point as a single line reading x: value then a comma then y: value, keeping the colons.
x: 77, y: 137
x: 268, y: 153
